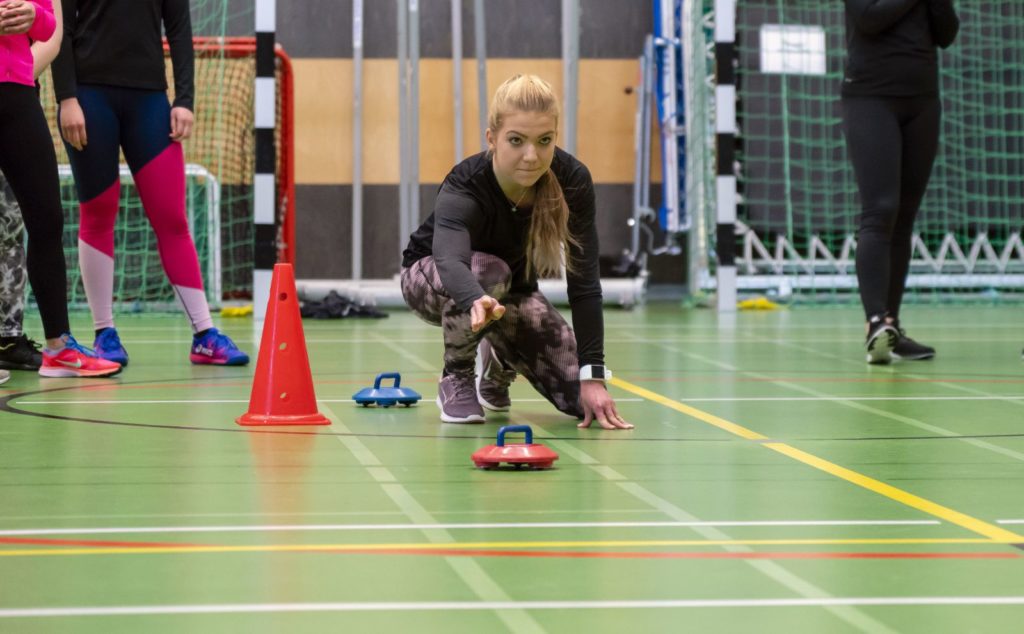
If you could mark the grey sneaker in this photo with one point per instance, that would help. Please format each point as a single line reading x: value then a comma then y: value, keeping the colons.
x: 456, y: 398
x: 492, y: 379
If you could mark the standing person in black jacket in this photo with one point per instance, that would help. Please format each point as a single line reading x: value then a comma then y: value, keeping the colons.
x: 501, y: 219
x: 891, y: 114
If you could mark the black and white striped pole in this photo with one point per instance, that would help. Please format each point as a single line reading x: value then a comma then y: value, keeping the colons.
x: 725, y: 144
x: 264, y: 185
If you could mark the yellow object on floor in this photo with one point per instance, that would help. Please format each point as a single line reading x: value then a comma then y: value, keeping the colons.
x: 758, y: 303
x: 236, y: 311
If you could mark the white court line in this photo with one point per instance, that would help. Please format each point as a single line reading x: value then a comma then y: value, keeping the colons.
x: 185, y: 400
x: 852, y: 398
x: 630, y: 326
x: 125, y: 530
x: 753, y: 339
x: 435, y: 606
x: 788, y: 327
x: 1009, y: 521
x: 545, y: 512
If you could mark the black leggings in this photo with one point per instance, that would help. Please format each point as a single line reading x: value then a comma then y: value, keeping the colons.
x: 892, y: 142
x: 28, y: 161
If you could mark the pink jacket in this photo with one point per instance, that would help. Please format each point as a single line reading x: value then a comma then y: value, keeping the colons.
x: 15, y: 51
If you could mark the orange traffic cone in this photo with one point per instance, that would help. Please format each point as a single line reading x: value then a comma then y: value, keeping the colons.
x: 282, y: 392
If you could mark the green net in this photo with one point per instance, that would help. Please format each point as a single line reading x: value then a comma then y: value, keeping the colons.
x: 799, y: 206
x: 219, y: 174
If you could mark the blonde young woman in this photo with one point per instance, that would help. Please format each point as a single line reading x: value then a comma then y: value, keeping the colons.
x: 502, y: 219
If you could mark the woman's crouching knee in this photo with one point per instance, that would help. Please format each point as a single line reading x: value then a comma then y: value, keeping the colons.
x: 493, y: 274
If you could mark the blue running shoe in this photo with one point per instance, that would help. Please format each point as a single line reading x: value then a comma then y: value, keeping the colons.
x: 216, y: 348
x: 108, y: 346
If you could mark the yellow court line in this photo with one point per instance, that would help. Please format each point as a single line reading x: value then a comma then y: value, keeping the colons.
x: 149, y: 550
x: 972, y: 524
x: 711, y: 419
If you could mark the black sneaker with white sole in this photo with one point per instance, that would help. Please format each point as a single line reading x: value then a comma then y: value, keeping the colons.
x: 881, y: 341
x: 907, y: 348
x: 20, y: 353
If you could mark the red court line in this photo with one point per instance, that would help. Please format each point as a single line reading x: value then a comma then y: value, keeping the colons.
x: 36, y: 541
x: 573, y: 554
x: 549, y: 554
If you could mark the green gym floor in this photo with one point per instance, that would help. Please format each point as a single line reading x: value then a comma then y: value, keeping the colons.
x: 774, y: 483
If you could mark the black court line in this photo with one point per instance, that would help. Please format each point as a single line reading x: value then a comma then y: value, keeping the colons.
x: 6, y: 405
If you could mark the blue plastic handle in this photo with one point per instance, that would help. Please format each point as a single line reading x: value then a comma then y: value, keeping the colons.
x: 515, y: 428
x: 387, y: 375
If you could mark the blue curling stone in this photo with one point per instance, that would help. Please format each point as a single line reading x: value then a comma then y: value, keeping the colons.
x: 386, y: 396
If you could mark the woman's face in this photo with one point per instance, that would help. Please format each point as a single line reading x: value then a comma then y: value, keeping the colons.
x: 523, y: 148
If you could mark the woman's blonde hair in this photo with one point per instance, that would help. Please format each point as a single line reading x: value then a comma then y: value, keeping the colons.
x: 549, y: 226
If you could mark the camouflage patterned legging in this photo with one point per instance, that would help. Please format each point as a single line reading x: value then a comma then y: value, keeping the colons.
x: 13, y: 273
x: 532, y: 337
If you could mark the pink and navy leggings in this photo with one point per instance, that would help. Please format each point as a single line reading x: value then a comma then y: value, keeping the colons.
x: 139, y: 123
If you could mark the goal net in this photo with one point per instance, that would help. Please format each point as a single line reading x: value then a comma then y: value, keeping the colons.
x: 799, y: 205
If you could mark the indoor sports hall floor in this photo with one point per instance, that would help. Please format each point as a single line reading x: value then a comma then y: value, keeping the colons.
x: 774, y: 483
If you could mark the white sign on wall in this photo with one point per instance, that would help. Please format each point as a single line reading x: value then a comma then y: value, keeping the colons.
x: 792, y: 50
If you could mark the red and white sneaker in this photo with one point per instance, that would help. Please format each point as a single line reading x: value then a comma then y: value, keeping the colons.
x: 75, y: 360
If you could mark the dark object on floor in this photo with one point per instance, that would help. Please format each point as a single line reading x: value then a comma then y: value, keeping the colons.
x: 335, y: 306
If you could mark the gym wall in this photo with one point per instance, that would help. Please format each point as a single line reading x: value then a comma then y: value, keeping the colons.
x: 523, y: 36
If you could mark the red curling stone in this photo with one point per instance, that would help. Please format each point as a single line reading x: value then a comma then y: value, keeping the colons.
x: 528, y: 453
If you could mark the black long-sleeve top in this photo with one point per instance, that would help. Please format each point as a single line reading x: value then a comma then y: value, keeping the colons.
x: 891, y: 46
x: 118, y: 43
x: 472, y: 213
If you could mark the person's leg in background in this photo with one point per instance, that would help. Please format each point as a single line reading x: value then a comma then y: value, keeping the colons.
x: 920, y: 126
x: 98, y: 183
x: 158, y: 166
x: 874, y: 144
x: 17, y: 352
x: 28, y: 161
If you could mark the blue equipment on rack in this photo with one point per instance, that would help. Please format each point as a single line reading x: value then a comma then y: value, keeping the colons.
x: 667, y: 52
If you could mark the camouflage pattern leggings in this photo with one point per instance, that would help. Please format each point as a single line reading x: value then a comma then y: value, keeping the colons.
x: 13, y: 273
x: 532, y: 337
